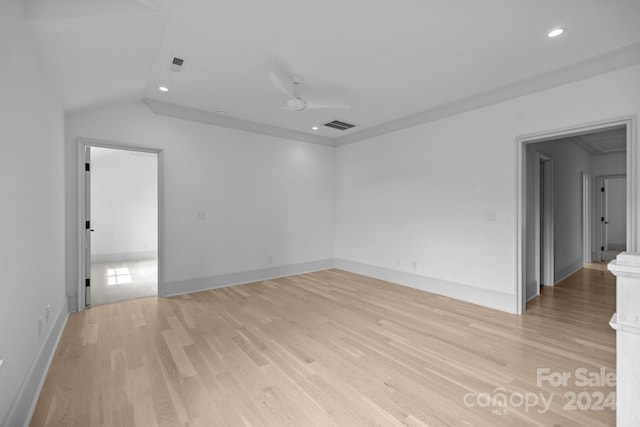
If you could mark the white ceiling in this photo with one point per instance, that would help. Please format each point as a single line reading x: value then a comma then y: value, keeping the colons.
x: 603, y: 142
x: 395, y: 63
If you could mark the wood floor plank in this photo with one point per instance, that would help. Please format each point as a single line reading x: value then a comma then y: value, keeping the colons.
x: 332, y: 348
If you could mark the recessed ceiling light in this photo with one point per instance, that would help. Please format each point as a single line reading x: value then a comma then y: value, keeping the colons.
x: 163, y: 89
x: 555, y: 32
x: 315, y: 128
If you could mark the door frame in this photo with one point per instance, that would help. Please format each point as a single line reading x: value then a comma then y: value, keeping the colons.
x: 82, y: 144
x: 544, y: 210
x: 587, y: 245
x: 521, y: 181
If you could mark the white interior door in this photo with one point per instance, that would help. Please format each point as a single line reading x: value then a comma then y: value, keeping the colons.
x: 603, y: 221
x: 87, y: 226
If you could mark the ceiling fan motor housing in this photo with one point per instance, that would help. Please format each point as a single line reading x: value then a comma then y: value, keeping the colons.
x: 296, y: 104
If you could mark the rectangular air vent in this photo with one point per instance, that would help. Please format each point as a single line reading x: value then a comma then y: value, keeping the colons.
x: 176, y: 64
x: 340, y: 125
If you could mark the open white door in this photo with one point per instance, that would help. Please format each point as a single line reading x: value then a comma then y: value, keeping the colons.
x: 87, y: 226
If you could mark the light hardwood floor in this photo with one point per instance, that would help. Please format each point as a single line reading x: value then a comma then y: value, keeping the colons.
x: 331, y: 348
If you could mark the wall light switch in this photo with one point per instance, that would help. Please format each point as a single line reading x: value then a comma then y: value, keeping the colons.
x: 490, y: 216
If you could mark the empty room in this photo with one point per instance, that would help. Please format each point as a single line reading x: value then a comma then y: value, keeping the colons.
x: 319, y: 214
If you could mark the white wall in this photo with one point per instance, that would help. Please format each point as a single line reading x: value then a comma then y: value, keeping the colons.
x: 422, y: 194
x: 124, y: 204
x: 610, y: 164
x: 32, y: 272
x: 262, y: 196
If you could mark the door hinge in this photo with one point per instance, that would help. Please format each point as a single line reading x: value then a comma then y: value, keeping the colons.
x: 87, y: 283
x: 87, y: 295
x: 602, y: 248
x: 87, y: 167
x: 602, y: 190
x: 602, y: 218
x: 87, y: 224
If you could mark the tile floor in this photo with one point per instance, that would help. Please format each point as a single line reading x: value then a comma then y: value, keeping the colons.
x: 124, y: 280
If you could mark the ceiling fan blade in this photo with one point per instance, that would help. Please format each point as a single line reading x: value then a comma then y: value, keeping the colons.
x: 321, y: 104
x: 277, y: 82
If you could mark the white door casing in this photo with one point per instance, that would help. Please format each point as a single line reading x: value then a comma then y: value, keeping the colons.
x: 586, y: 217
x: 632, y: 237
x: 87, y: 226
x: 84, y: 198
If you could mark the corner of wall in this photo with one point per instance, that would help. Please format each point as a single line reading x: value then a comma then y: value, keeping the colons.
x: 232, y: 279
x: 484, y: 297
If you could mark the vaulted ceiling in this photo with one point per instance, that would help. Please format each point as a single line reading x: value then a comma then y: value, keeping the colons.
x: 394, y: 63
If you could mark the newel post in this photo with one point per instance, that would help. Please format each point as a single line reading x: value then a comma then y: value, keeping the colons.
x: 626, y: 322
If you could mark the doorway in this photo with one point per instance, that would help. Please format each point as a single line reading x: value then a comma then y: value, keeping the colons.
x: 121, y: 216
x: 588, y: 151
x: 613, y: 216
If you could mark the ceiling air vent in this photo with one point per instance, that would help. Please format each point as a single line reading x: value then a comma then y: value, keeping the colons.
x: 176, y: 64
x: 340, y: 125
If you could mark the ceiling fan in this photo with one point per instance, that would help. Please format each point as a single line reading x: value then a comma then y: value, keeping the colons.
x: 295, y: 102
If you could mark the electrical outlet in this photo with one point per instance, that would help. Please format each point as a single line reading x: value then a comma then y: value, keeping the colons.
x: 47, y: 312
x: 201, y: 215
x: 414, y: 265
x: 270, y: 259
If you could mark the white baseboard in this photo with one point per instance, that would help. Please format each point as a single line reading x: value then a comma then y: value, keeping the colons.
x: 617, y: 247
x: 23, y: 406
x: 129, y: 256
x: 568, y: 271
x: 485, y: 297
x: 224, y: 280
x: 72, y: 303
